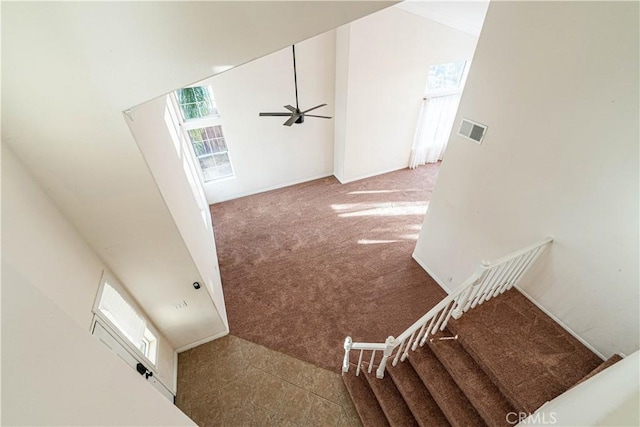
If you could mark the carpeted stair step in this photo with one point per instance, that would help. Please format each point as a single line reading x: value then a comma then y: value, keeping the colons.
x: 364, y: 400
x: 390, y: 400
x: 483, y: 394
x: 450, y: 398
x: 527, y: 355
x: 424, y: 409
x: 604, y: 365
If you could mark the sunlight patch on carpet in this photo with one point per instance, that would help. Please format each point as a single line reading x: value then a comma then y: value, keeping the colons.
x: 382, y: 191
x: 376, y: 242
x: 385, y: 209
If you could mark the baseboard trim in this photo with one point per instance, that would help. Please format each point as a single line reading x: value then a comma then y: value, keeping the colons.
x: 203, y: 341
x: 559, y: 322
x: 265, y: 189
x: 358, y: 178
x: 431, y: 273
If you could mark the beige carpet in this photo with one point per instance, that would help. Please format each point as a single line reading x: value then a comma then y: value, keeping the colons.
x: 304, y: 266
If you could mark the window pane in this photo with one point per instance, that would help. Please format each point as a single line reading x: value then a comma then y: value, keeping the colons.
x: 215, y: 166
x: 445, y: 76
x: 207, y: 140
x: 221, y: 159
x: 122, y: 315
x: 143, y: 346
x: 207, y: 162
x: 224, y: 165
x: 196, y: 102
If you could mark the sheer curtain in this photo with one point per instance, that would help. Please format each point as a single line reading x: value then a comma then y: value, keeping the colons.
x: 434, y: 126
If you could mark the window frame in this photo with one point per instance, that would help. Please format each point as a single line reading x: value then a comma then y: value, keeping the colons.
x: 200, y: 123
x: 98, y: 316
x: 185, y: 155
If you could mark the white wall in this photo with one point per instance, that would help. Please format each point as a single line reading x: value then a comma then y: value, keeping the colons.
x: 389, y: 57
x: 50, y: 278
x: 264, y: 153
x: 62, y: 115
x: 205, y: 314
x: 341, y: 99
x: 54, y: 373
x: 557, y: 84
x: 610, y: 398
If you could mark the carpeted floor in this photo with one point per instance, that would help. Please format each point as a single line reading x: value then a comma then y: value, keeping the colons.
x: 304, y: 266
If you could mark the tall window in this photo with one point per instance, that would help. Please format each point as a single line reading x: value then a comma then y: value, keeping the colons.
x: 200, y: 120
x: 437, y: 113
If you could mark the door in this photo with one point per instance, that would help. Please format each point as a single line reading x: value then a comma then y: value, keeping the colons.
x: 109, y: 339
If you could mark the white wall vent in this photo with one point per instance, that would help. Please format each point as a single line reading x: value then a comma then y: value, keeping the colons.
x: 472, y: 130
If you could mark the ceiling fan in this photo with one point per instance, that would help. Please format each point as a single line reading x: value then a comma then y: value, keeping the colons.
x: 295, y: 114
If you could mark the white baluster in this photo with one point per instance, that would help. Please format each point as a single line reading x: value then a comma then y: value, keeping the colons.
x: 478, y: 287
x: 417, y: 341
x: 395, y: 360
x: 406, y: 348
x: 373, y: 355
x: 530, y: 259
x: 446, y: 319
x: 505, y: 279
x: 461, y: 301
x: 428, y: 331
x: 359, y: 363
x: 483, y: 287
x: 505, y: 283
x: 390, y: 344
x: 347, y: 349
x: 474, y: 292
x: 500, y: 282
x: 498, y: 269
x: 520, y: 261
x: 443, y: 313
x: 495, y: 271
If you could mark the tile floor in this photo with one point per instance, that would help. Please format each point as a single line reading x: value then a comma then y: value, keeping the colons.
x: 234, y: 382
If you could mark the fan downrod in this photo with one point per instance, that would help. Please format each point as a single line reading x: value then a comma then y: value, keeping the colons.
x: 294, y: 114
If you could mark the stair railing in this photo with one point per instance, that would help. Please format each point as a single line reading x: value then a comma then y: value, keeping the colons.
x: 488, y: 281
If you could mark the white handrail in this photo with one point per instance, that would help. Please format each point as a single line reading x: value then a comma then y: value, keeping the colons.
x: 489, y: 280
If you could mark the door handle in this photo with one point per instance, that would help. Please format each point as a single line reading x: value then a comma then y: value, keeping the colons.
x: 142, y: 370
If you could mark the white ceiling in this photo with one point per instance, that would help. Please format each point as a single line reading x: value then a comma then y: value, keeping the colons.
x: 68, y: 71
x: 467, y: 16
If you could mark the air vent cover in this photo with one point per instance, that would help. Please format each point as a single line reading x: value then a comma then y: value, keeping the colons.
x: 472, y: 130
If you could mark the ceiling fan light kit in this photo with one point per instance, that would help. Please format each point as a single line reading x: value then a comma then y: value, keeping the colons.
x: 295, y: 114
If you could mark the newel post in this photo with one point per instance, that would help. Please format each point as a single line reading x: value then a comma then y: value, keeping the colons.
x: 347, y: 349
x: 390, y: 345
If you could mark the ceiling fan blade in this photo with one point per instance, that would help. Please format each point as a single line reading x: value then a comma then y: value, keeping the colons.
x: 290, y: 108
x: 311, y: 109
x: 274, y: 114
x: 320, y: 117
x: 292, y: 120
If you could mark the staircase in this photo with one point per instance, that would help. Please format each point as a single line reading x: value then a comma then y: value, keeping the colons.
x: 492, y: 366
